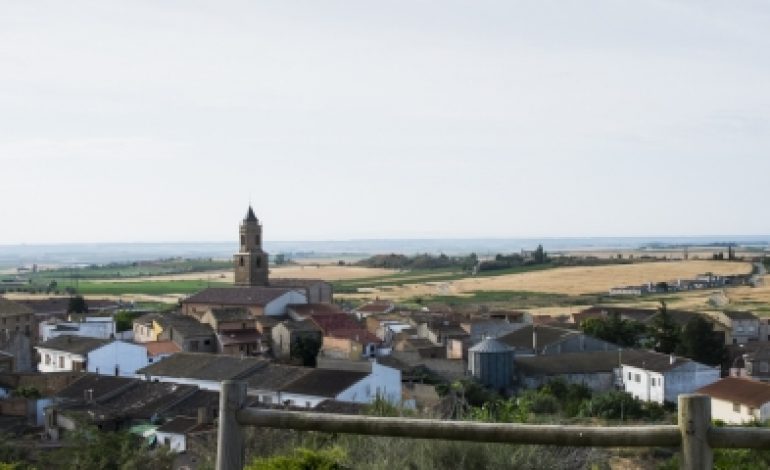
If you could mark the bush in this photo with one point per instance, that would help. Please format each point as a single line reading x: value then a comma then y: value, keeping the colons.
x: 303, y: 459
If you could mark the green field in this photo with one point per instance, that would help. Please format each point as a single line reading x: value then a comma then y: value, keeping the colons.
x: 135, y: 269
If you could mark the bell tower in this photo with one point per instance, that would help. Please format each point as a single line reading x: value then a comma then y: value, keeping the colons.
x: 250, y: 261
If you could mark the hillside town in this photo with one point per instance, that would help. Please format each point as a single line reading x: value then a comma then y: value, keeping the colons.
x: 297, y: 348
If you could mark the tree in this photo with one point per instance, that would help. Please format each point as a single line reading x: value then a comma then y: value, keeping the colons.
x: 665, y: 331
x: 77, y: 304
x: 540, y: 255
x: 306, y: 349
x: 614, y: 329
x: 699, y: 343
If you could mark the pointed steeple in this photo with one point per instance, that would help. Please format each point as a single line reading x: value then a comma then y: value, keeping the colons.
x: 250, y: 216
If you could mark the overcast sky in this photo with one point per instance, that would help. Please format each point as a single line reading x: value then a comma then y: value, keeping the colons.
x: 159, y: 120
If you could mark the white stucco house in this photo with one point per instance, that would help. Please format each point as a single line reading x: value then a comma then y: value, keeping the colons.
x: 659, y: 378
x: 100, y: 356
x: 738, y: 400
x: 174, y: 433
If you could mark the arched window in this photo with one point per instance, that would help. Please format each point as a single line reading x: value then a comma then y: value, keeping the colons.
x: 259, y: 261
x: 256, y: 239
x: 240, y: 260
x: 243, y: 240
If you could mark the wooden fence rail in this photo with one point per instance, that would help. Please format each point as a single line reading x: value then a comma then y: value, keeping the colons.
x: 693, y: 434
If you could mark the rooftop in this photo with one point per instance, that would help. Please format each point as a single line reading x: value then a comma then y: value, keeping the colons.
x: 546, y: 335
x: 231, y: 314
x: 654, y: 361
x: 324, y: 382
x: 155, y: 348
x: 739, y: 315
x: 490, y: 345
x: 739, y: 390
x: 246, y: 296
x: 74, y: 344
x: 8, y: 308
x: 203, y: 366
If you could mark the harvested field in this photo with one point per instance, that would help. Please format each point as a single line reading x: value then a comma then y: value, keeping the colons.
x: 570, y: 280
x: 324, y: 272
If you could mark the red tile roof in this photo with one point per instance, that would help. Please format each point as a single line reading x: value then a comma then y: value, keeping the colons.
x: 329, y: 322
x: 161, y: 347
x: 738, y: 390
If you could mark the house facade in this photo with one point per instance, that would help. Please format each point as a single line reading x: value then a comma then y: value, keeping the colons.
x: 741, y: 327
x: 661, y: 378
x: 82, y: 354
x: 738, y: 400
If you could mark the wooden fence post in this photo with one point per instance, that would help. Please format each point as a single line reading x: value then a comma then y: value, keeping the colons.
x: 694, y: 424
x: 230, y: 445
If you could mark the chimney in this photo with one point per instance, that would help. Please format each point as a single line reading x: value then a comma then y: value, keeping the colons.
x: 534, y: 338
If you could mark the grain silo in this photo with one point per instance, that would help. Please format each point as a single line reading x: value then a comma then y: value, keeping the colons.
x: 491, y: 363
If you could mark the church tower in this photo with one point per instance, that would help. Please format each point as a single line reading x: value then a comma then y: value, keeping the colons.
x: 250, y: 261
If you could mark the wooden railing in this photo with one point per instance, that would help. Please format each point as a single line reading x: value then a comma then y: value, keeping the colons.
x: 694, y: 433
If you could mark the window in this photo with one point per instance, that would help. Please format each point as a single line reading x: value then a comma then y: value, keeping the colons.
x: 751, y: 411
x: 243, y: 239
x: 240, y: 260
x: 737, y: 407
x: 637, y: 378
x: 207, y: 342
x: 47, y: 359
x: 763, y: 367
x: 61, y: 362
x: 256, y: 239
x: 259, y: 261
x: 652, y: 381
x: 193, y: 345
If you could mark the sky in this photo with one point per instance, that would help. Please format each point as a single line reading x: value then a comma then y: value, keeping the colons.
x: 147, y: 121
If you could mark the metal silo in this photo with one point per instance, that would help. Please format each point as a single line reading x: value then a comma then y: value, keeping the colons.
x: 491, y: 363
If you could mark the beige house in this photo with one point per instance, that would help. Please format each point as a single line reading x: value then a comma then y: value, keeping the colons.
x: 737, y: 400
x: 741, y: 326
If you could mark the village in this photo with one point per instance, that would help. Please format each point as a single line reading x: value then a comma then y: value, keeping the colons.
x: 63, y: 367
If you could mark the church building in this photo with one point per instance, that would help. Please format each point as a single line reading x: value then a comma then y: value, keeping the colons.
x: 254, y: 290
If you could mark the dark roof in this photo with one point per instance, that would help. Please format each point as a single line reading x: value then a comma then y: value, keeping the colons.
x: 145, y: 399
x: 8, y: 307
x: 250, y: 215
x: 275, y: 376
x: 324, y: 382
x: 186, y: 325
x: 546, y: 335
x: 203, y: 366
x: 100, y: 385
x: 247, y: 296
x: 189, y: 405
x: 654, y: 361
x: 231, y: 314
x: 739, y: 315
x: 571, y: 363
x: 74, y: 344
x: 738, y: 390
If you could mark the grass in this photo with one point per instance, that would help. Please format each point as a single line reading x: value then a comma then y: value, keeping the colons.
x: 145, y: 287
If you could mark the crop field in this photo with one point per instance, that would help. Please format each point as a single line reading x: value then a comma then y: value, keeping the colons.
x: 567, y: 280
